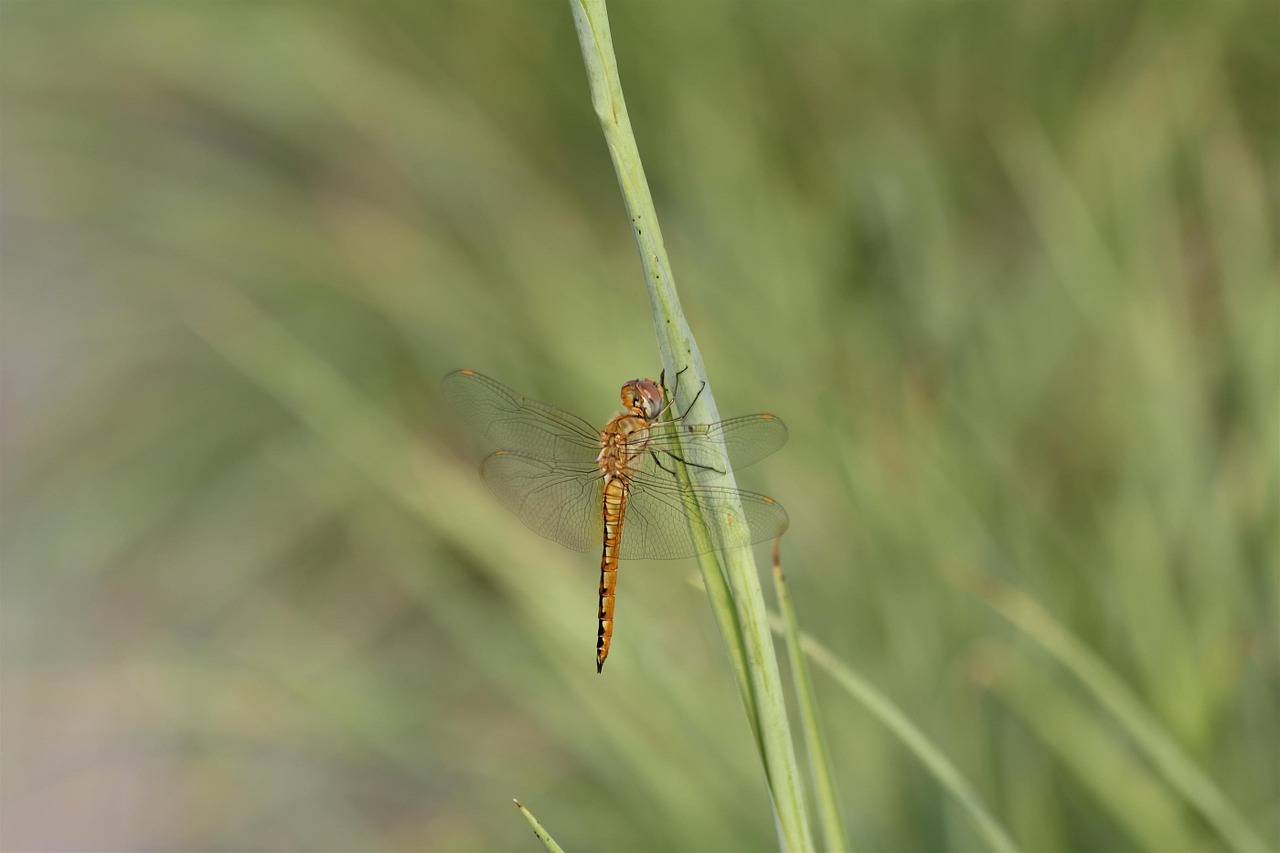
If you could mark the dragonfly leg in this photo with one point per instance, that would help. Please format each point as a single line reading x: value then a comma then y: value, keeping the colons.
x: 676, y: 390
x: 692, y: 402
x: 670, y: 398
x: 684, y: 461
x: 658, y: 462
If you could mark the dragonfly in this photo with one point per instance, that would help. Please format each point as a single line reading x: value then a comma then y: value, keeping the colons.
x: 617, y: 488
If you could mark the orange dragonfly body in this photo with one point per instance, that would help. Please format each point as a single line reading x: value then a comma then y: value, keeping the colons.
x: 580, y: 486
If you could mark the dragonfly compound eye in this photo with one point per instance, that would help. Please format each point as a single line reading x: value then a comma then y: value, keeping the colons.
x: 650, y: 396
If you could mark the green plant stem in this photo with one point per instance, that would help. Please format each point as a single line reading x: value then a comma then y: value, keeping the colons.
x: 739, y: 607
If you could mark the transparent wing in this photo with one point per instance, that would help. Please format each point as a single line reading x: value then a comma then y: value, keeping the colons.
x: 747, y: 439
x: 656, y: 523
x: 547, y: 474
x: 561, y: 501
x: 515, y: 422
x: 565, y: 503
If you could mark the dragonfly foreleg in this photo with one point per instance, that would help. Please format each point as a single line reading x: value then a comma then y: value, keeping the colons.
x: 676, y: 390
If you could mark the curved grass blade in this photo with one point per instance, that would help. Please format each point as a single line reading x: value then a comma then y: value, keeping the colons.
x: 824, y: 789
x: 1090, y: 746
x: 915, y: 740
x: 1100, y: 680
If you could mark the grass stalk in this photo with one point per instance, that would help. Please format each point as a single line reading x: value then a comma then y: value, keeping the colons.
x: 736, y: 595
x: 824, y: 789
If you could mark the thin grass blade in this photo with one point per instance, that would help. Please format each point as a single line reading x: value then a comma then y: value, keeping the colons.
x: 543, y: 836
x: 1100, y: 680
x: 915, y: 740
x: 824, y: 788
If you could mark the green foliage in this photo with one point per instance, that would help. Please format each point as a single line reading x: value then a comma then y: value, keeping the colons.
x: 1008, y: 271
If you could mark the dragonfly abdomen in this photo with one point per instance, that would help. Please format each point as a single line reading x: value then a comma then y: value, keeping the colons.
x: 615, y: 505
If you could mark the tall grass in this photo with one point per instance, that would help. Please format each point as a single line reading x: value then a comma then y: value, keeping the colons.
x: 1006, y: 270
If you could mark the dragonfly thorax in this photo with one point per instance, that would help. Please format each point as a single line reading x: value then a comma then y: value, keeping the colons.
x: 624, y: 440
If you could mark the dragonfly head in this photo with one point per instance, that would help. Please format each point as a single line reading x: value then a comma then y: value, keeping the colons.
x: 643, y: 394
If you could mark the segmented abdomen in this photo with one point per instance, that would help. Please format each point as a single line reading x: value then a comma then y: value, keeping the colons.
x: 615, y: 506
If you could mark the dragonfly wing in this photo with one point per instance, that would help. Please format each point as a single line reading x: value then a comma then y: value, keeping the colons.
x: 515, y: 422
x: 747, y: 440
x: 564, y: 502
x: 659, y: 513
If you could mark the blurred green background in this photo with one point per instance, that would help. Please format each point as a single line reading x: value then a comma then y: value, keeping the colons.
x: 1008, y: 271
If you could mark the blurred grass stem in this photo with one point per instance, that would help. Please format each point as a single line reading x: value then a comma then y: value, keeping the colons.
x: 736, y: 595
x: 1150, y: 736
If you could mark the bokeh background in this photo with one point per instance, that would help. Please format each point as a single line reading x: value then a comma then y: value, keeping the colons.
x: 1008, y: 271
